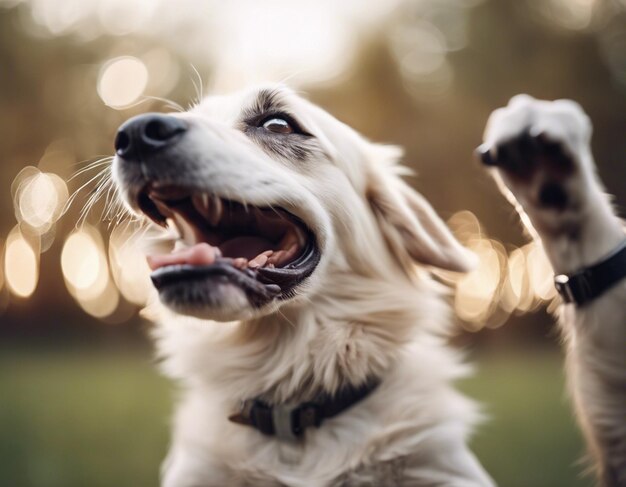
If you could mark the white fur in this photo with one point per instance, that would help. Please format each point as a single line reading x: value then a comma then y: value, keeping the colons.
x: 368, y: 309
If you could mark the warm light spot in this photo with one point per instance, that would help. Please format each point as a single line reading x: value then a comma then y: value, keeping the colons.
x: 1, y: 266
x: 515, y: 290
x: 419, y: 48
x: 80, y: 260
x: 120, y: 17
x: 102, y: 305
x: 316, y: 50
x: 84, y: 264
x: 21, y: 265
x: 122, y: 81
x: 128, y: 266
x: 40, y: 199
x: 465, y: 226
x: 478, y: 290
x: 86, y: 272
x: 570, y: 14
x: 540, y: 273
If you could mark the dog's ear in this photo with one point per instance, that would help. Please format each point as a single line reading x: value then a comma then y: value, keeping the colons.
x: 412, y: 229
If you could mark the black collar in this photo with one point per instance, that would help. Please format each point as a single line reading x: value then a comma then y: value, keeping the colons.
x: 288, y: 421
x: 591, y: 282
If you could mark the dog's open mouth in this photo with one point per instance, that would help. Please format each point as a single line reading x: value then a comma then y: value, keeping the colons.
x: 266, y: 252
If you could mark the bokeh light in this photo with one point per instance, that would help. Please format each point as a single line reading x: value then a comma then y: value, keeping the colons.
x: 86, y: 272
x: 1, y: 266
x: 540, y: 273
x: 40, y: 199
x: 122, y: 81
x: 120, y: 17
x: 477, y: 291
x: 504, y: 283
x: 21, y: 264
x: 568, y: 14
x: 104, y: 304
x: 516, y: 293
x: 128, y: 266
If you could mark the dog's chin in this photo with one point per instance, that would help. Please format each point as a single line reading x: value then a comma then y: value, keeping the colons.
x: 219, y: 301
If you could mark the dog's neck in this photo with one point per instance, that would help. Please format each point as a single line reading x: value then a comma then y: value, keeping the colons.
x: 317, y: 346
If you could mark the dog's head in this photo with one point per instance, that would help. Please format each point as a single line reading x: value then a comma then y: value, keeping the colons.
x: 271, y: 198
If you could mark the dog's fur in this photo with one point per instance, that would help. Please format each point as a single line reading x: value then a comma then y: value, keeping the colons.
x: 369, y: 309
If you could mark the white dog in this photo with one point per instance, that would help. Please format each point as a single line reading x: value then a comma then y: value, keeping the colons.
x: 299, y: 315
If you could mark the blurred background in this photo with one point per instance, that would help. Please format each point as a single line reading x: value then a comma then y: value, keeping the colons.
x: 81, y: 403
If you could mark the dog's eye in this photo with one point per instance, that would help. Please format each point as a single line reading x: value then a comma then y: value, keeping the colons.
x: 278, y: 126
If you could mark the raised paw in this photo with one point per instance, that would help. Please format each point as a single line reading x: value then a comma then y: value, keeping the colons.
x: 534, y: 158
x: 541, y: 156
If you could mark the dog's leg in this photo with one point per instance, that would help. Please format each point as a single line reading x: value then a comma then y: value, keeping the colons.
x: 541, y: 154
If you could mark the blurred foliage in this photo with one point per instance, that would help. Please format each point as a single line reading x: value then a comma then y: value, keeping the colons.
x: 481, y: 54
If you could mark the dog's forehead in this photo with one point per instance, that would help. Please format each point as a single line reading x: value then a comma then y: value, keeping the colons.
x: 336, y: 140
x: 233, y: 107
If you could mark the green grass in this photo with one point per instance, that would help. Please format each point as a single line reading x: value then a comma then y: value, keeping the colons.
x: 530, y: 439
x: 81, y: 419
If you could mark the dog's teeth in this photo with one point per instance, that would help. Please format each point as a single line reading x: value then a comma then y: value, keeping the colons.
x: 215, y: 210
x: 280, y: 257
x: 259, y: 261
x: 187, y: 231
x: 291, y: 252
x: 180, y: 245
x: 290, y: 238
x: 276, y: 258
x: 201, y: 203
x: 300, y: 236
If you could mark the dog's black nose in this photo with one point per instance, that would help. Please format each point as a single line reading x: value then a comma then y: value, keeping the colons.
x: 148, y: 133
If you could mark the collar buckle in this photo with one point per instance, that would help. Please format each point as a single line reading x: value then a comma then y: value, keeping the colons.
x: 286, y: 421
x: 562, y: 285
x: 291, y: 420
x: 283, y: 416
x: 576, y: 288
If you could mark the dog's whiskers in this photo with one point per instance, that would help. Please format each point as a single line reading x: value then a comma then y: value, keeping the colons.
x: 98, y: 191
x: 90, y: 166
x: 169, y: 103
x: 103, y: 174
x: 198, y: 86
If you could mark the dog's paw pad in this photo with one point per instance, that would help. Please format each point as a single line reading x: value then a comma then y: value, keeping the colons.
x: 553, y: 195
x: 524, y: 154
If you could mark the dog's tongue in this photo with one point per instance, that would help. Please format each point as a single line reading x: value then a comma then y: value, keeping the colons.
x: 199, y: 254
